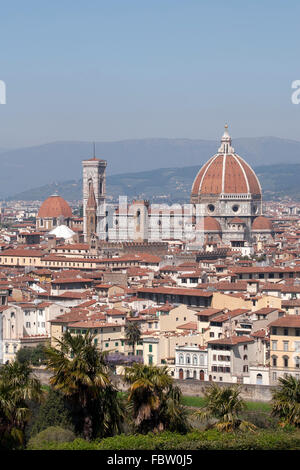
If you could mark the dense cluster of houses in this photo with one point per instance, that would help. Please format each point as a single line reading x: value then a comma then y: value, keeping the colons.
x: 211, y: 315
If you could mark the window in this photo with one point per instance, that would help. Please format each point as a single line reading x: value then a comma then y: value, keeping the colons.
x: 285, y: 345
x: 274, y: 361
x: 245, y: 347
x: 195, y: 360
x: 285, y: 361
x: 274, y: 330
x: 259, y: 379
x: 180, y: 358
x: 106, y: 345
x: 274, y: 345
x: 150, y: 347
x: 285, y: 331
x: 188, y: 359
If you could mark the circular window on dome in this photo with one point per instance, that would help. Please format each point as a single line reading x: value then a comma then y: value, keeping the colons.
x: 211, y: 207
x: 235, y: 208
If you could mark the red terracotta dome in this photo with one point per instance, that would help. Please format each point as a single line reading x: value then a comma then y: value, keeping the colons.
x: 55, y: 206
x: 209, y: 224
x: 226, y: 172
x: 262, y: 223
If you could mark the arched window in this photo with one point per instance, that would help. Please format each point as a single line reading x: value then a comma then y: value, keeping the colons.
x: 201, y: 359
x: 138, y: 217
x: 245, y: 357
x: 180, y: 358
x: 188, y: 359
x: 195, y: 360
x: 259, y: 379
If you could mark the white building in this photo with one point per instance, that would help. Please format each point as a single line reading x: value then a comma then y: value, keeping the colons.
x: 191, y: 362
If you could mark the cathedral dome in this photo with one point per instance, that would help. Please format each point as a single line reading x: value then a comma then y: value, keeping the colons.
x: 210, y: 224
x: 262, y: 223
x: 55, y: 206
x: 225, y: 173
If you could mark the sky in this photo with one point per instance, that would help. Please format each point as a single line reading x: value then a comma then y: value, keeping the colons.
x: 110, y: 70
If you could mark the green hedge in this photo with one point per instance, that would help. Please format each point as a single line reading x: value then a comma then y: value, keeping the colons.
x: 197, y: 440
x: 53, y: 434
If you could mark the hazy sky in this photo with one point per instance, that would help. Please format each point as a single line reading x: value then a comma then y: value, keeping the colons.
x: 121, y: 69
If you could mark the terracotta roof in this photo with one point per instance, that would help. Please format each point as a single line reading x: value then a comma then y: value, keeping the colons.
x: 209, y: 312
x: 93, y: 324
x: 262, y: 223
x: 231, y: 314
x: 175, y: 291
x: 211, y: 225
x: 55, y: 206
x: 259, y: 334
x: 286, y: 321
x: 232, y: 340
x: 22, y: 253
x: 237, y: 220
x: 188, y: 326
x: 266, y: 311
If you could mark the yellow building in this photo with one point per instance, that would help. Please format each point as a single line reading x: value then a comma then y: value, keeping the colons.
x: 176, y: 317
x: 284, y: 347
x: 234, y: 301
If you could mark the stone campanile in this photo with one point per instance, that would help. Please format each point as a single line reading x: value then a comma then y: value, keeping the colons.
x: 94, y: 179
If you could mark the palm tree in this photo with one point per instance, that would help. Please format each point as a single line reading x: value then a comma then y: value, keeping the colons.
x: 17, y: 387
x: 153, y: 400
x: 132, y: 333
x: 286, y: 401
x: 224, y: 405
x: 81, y: 374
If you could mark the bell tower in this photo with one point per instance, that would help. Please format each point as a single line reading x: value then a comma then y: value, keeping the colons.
x: 94, y: 196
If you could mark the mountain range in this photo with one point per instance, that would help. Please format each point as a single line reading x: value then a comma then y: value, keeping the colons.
x: 58, y: 162
x: 170, y: 185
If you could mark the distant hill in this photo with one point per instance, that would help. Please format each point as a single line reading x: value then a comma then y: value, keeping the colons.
x: 26, y: 168
x: 170, y: 185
